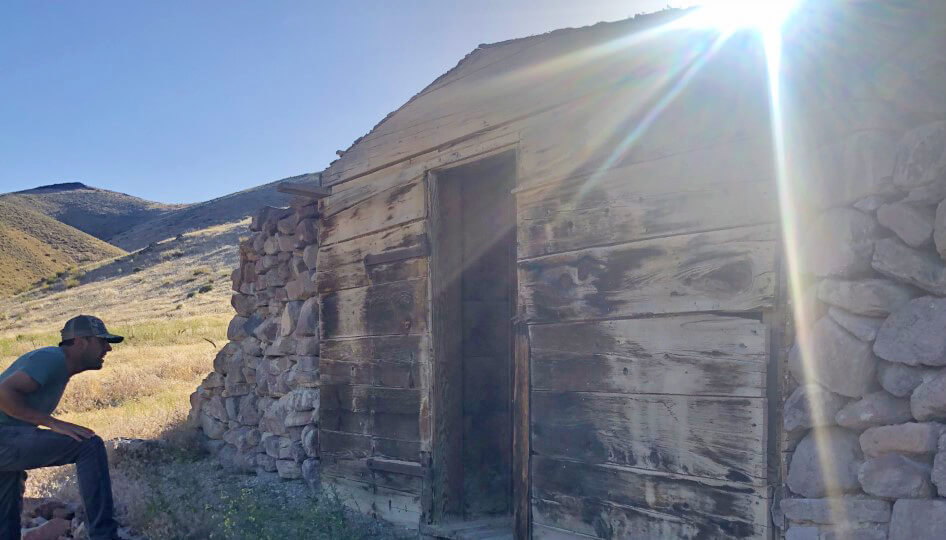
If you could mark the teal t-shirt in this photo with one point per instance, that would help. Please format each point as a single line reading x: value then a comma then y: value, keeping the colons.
x: 46, y: 366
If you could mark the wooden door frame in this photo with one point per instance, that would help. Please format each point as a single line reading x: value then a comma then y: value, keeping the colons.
x: 434, y: 510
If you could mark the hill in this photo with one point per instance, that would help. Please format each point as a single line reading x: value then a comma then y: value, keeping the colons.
x: 219, y: 211
x: 98, y: 212
x: 34, y: 246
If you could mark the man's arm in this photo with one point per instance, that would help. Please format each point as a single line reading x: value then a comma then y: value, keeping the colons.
x: 13, y: 392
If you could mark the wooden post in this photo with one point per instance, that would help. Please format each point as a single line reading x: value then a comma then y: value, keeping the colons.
x: 521, y: 434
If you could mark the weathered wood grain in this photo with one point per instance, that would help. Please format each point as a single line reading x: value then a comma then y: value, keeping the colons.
x: 694, y: 192
x: 728, y: 270
x: 398, y: 507
x: 391, y: 375
x: 375, y: 399
x: 362, y: 471
x: 344, y: 445
x: 378, y: 310
x: 689, y: 355
x: 342, y: 265
x: 389, y: 208
x: 351, y: 193
x: 369, y: 350
x: 711, y: 437
x: 610, y: 501
x: 376, y: 423
x: 521, y: 432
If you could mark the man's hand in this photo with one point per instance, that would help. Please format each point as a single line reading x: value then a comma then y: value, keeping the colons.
x: 75, y: 431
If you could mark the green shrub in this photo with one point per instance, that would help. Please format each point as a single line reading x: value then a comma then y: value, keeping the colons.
x: 201, y: 271
x: 205, y: 288
x: 72, y: 282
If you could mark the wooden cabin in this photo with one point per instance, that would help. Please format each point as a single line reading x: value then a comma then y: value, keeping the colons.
x: 553, y: 286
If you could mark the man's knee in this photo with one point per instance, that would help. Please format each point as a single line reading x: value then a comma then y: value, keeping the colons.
x: 93, y: 443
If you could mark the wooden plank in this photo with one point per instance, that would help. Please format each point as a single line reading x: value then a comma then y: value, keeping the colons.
x: 354, y: 446
x: 695, y: 192
x: 521, y: 446
x: 709, y: 437
x: 353, y: 192
x: 394, y: 466
x: 361, y: 470
x: 547, y: 532
x: 377, y: 310
x: 729, y: 270
x: 391, y: 375
x: 343, y: 397
x: 412, y: 252
x: 342, y: 265
x: 394, y: 506
x: 376, y: 350
x: 311, y: 192
x: 655, y: 505
x: 401, y: 426
x: 385, y: 209
x: 691, y: 355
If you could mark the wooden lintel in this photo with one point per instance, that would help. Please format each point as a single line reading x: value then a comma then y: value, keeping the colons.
x: 312, y: 192
x: 396, y: 466
x: 420, y: 250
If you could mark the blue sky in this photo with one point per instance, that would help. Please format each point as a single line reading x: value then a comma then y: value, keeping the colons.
x: 179, y: 101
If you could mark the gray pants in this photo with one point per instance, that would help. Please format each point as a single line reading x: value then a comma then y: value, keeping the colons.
x: 26, y: 447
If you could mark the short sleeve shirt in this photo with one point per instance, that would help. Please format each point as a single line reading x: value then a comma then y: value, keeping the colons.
x: 46, y: 366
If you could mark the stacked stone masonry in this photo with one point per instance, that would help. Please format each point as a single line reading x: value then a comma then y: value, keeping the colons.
x: 865, y: 414
x: 259, y: 408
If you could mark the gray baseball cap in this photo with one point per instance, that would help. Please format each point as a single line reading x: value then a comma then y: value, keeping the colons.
x: 87, y: 325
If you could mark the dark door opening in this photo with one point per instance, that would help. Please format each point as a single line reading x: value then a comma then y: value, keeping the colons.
x: 474, y: 284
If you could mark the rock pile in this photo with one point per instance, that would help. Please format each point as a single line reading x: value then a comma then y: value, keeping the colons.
x: 259, y: 408
x: 869, y: 411
x: 52, y: 519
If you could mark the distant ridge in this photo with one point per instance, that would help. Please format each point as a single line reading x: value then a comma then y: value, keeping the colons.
x: 64, y: 186
x: 99, y: 212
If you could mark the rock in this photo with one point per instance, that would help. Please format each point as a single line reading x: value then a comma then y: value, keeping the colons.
x: 290, y: 314
x: 800, y: 407
x: 247, y: 412
x: 267, y: 330
x: 915, y: 333
x: 265, y: 462
x: 939, y: 229
x: 212, y: 427
x: 855, y: 165
x: 271, y: 246
x: 928, y: 401
x: 287, y: 224
x: 308, y: 322
x: 830, y: 511
x: 288, y: 469
x: 298, y: 377
x: 311, y: 256
x: 911, y: 438
x: 295, y: 289
x: 895, y: 259
x: 939, y: 467
x: 896, y: 477
x: 307, y: 231
x: 310, y: 440
x: 840, y: 448
x: 51, y: 530
x: 901, y: 379
x: 840, y: 243
x: 876, y: 409
x: 868, y: 297
x: 863, y: 328
x: 841, y: 363
x: 243, y: 304
x: 216, y: 408
x: 307, y: 346
x: 300, y: 418
x: 921, y: 156
x: 869, y: 532
x: 303, y: 399
x: 870, y: 203
x: 287, y: 242
x: 213, y: 380
x: 251, y: 347
x: 243, y: 438
x: 914, y: 519
x: 310, y: 473
x: 914, y: 225
x: 236, y: 330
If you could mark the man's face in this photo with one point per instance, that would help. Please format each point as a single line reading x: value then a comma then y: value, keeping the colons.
x: 94, y: 353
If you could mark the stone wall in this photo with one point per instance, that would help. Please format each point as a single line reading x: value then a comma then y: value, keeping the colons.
x: 259, y: 408
x: 866, y: 421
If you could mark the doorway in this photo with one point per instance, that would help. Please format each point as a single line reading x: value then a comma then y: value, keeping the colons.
x: 473, y: 280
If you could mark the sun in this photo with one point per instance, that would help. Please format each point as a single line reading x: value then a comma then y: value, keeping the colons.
x: 727, y: 16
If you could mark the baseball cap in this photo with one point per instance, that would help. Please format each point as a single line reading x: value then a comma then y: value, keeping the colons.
x: 87, y: 325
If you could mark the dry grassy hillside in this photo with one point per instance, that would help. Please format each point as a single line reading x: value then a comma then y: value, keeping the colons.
x: 34, y: 246
x: 226, y: 209
x: 99, y: 212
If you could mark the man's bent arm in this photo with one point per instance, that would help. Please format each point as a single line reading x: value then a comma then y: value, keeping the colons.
x: 13, y: 392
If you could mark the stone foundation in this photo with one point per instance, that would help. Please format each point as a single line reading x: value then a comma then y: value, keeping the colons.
x: 259, y: 408
x: 866, y: 419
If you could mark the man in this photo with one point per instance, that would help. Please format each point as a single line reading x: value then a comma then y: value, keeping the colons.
x: 30, y: 389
